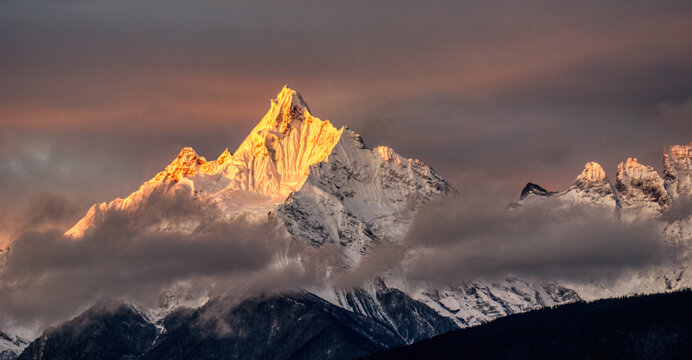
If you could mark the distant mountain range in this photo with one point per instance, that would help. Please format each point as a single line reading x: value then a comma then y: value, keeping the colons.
x: 324, y: 186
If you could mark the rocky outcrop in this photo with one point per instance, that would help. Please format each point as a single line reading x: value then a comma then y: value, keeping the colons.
x: 640, y: 187
x: 591, y: 187
x: 677, y: 170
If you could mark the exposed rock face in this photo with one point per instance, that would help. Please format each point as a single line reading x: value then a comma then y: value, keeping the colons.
x: 593, y: 172
x: 534, y: 189
x: 639, y: 186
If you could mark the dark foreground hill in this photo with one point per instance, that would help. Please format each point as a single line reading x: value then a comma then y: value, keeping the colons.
x: 641, y: 327
x: 296, y: 325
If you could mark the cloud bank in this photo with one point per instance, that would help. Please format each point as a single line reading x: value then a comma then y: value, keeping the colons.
x: 476, y: 237
x: 46, y: 277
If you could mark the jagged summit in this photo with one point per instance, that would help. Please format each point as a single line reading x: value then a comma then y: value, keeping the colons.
x: 592, y: 185
x: 637, y: 186
x: 286, y: 111
x: 187, y: 163
x: 640, y: 186
x: 593, y: 172
x: 534, y: 189
x: 344, y: 191
x: 677, y: 169
x: 274, y: 158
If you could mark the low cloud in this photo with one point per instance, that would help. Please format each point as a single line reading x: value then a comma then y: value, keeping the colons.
x: 680, y: 209
x: 46, y: 211
x: 47, y: 277
x: 473, y: 236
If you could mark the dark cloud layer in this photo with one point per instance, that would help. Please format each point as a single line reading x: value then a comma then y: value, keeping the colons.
x: 47, y: 277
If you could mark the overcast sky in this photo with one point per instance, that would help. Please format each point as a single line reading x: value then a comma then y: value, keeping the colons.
x: 98, y: 96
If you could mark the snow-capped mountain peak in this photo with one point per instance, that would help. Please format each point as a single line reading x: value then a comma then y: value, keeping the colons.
x: 593, y: 172
x: 186, y: 164
x: 640, y: 186
x: 286, y: 110
x: 272, y: 162
x: 591, y: 186
x: 342, y: 190
x: 325, y: 186
x: 677, y: 169
x: 274, y: 159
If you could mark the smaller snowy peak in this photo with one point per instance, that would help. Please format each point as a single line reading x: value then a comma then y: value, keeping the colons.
x: 534, y: 189
x: 677, y: 170
x: 591, y: 186
x: 593, y: 178
x: 186, y: 164
x: 212, y: 167
x: 593, y: 172
x: 387, y: 153
x: 640, y: 186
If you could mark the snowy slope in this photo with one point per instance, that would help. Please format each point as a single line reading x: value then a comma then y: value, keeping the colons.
x: 359, y: 196
x: 11, y: 346
x: 466, y: 304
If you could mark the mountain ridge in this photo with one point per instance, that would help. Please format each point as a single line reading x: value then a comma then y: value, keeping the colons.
x: 636, y: 185
x: 327, y: 188
x: 341, y: 193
